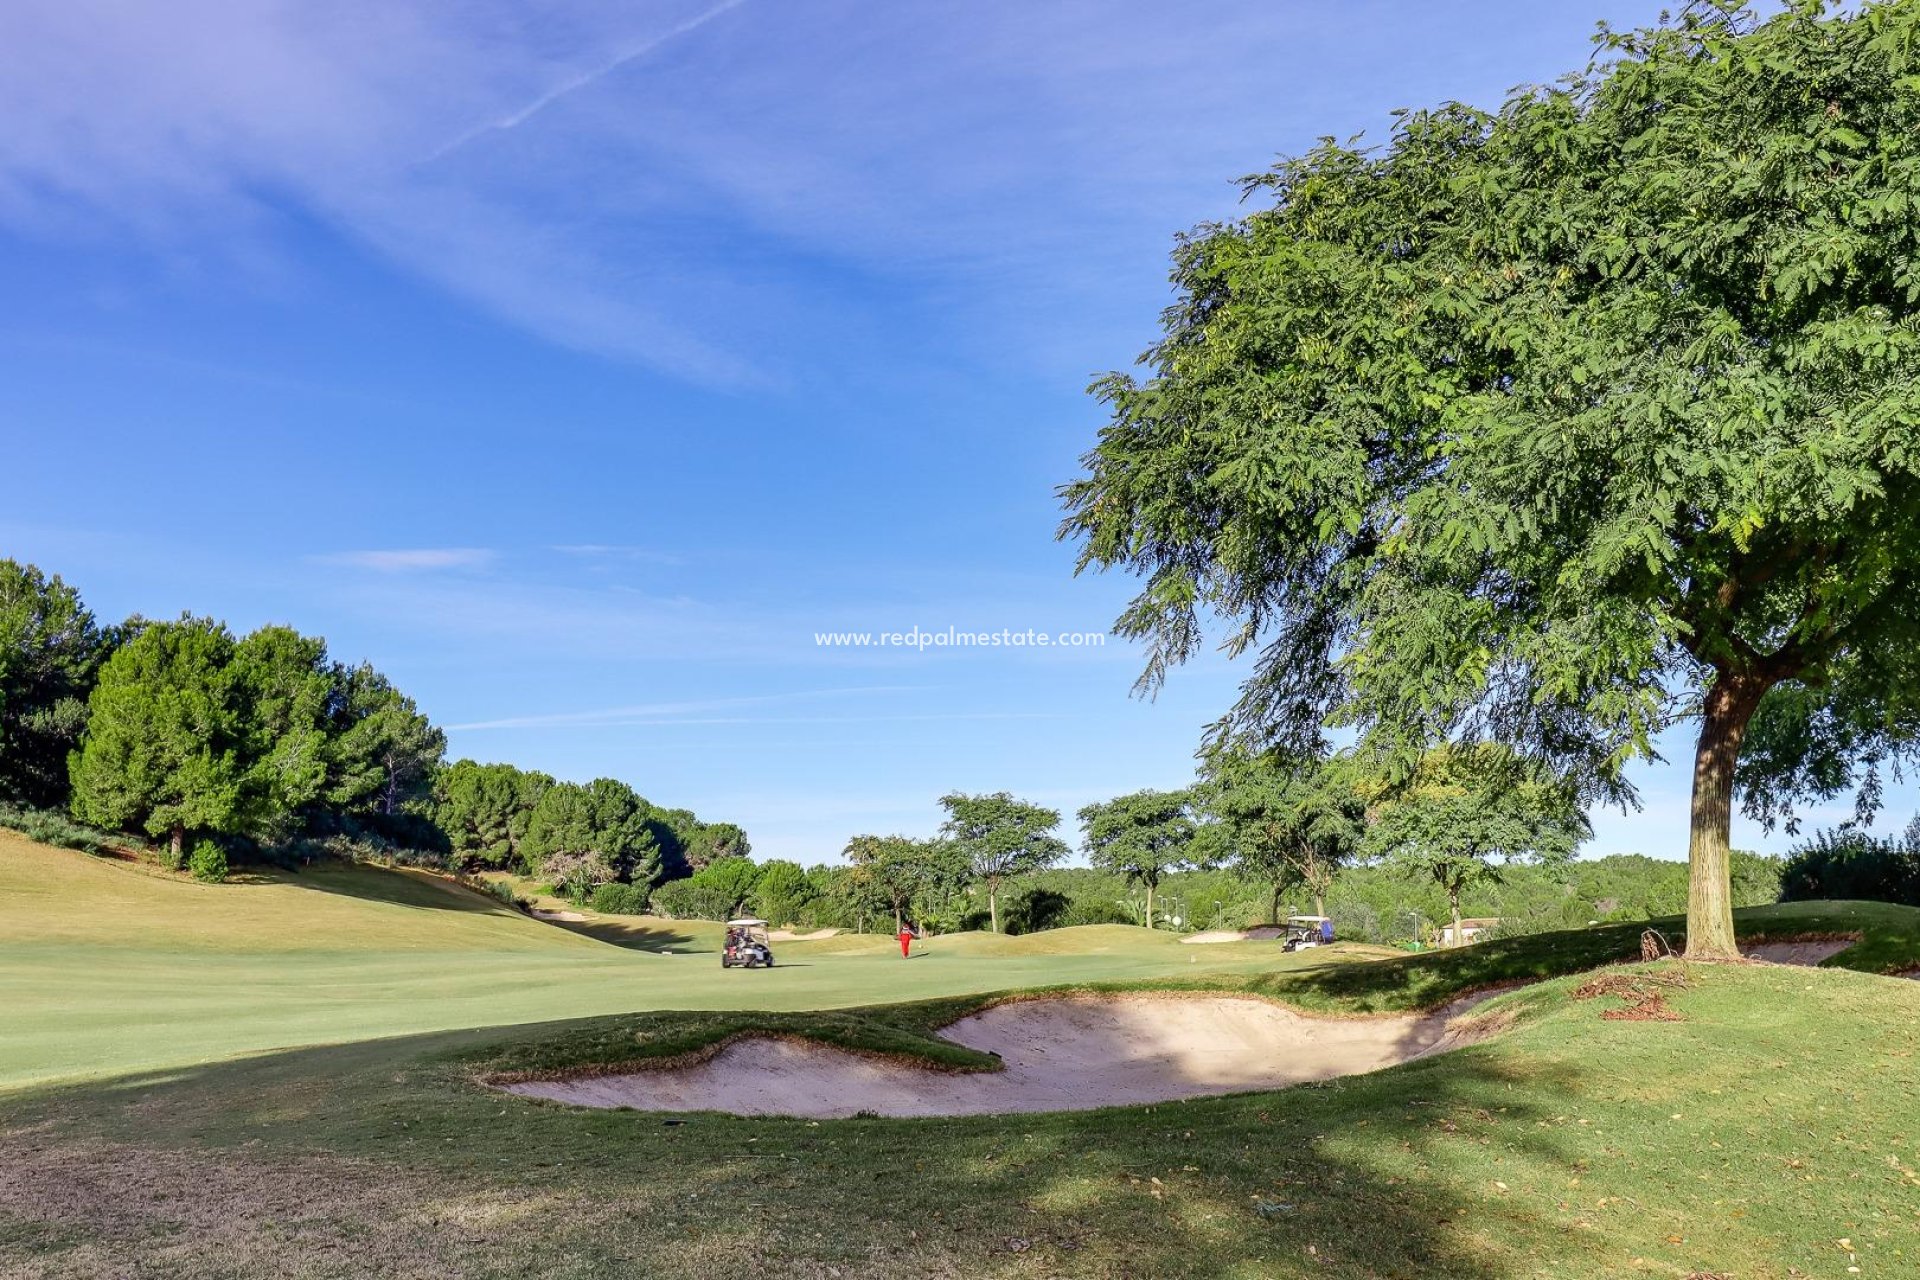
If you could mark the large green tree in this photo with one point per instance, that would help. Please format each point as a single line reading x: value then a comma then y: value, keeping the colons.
x: 165, y: 742
x: 1143, y: 836
x: 898, y: 869
x: 382, y: 750
x: 1562, y: 425
x: 484, y: 808
x: 50, y: 652
x: 1466, y: 812
x: 602, y: 819
x: 1284, y: 822
x: 1001, y: 838
x: 285, y: 694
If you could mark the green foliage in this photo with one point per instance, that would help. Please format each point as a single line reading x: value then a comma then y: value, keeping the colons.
x: 577, y: 875
x: 207, y: 862
x: 898, y: 872
x: 382, y: 752
x: 781, y: 892
x: 1521, y: 425
x: 484, y: 809
x: 604, y: 820
x: 1468, y: 811
x: 1284, y: 823
x: 164, y: 743
x: 50, y: 653
x: 50, y: 826
x: 1855, y: 865
x: 620, y: 899
x: 1000, y: 838
x: 718, y: 891
x: 282, y: 688
x: 1142, y: 837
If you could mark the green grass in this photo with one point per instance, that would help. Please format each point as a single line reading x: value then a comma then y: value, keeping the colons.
x: 1751, y: 1139
x: 109, y: 967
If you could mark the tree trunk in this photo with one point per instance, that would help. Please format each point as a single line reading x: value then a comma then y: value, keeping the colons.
x: 899, y: 922
x: 993, y: 906
x: 1453, y: 903
x: 1729, y: 706
x: 179, y: 844
x: 1149, y: 906
x: 1273, y: 911
x: 1319, y: 903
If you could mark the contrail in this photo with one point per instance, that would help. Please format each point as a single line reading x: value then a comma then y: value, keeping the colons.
x: 517, y: 118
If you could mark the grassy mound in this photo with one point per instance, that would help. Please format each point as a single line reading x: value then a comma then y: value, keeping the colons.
x: 1762, y: 1135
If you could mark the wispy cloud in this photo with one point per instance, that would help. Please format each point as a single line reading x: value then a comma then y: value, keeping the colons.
x: 580, y: 80
x: 411, y: 559
x: 650, y: 712
x: 610, y: 551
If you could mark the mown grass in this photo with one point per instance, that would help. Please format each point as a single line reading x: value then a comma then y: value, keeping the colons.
x: 1768, y: 1135
x: 1750, y: 1140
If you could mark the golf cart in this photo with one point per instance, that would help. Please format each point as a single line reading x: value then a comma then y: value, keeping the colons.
x: 1306, y: 931
x: 746, y: 945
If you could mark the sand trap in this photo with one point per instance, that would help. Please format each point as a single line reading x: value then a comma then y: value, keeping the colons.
x: 559, y: 917
x: 1060, y: 1055
x: 788, y: 935
x: 1807, y: 953
x: 1263, y: 933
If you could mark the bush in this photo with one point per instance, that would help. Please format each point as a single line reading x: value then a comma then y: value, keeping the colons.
x: 1852, y: 864
x: 1034, y: 909
x: 207, y: 862
x: 692, y: 900
x: 49, y: 826
x: 503, y: 890
x: 620, y: 899
x: 1095, y: 911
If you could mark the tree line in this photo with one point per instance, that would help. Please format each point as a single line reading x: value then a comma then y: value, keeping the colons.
x: 1561, y: 425
x: 265, y: 746
x: 1464, y: 816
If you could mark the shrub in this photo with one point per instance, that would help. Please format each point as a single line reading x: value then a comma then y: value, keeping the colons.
x: 49, y: 826
x: 1095, y: 911
x: 1034, y: 909
x: 692, y: 900
x: 503, y: 890
x: 207, y: 862
x: 1853, y: 864
x: 620, y: 899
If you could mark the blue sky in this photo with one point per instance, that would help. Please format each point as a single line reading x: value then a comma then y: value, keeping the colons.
x: 576, y: 363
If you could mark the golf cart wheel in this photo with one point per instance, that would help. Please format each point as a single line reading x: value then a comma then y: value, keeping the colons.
x: 726, y: 962
x: 769, y: 962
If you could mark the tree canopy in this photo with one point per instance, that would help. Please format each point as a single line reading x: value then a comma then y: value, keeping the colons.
x: 1468, y: 811
x: 50, y: 652
x: 1561, y: 424
x: 1001, y: 838
x: 1143, y: 836
x: 165, y: 740
x: 1285, y: 822
x: 602, y: 819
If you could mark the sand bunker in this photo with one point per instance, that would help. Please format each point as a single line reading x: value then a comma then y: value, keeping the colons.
x: 1060, y: 1055
x: 1263, y: 933
x: 788, y: 935
x: 1809, y: 953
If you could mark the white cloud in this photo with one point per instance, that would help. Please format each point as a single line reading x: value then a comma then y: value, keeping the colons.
x: 411, y: 559
x: 670, y: 712
x: 687, y: 183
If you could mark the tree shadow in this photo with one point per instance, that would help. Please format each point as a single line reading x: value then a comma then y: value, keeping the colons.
x: 650, y: 936
x: 1357, y: 1177
x: 396, y: 886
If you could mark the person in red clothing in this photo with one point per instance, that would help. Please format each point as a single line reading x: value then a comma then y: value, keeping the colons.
x: 906, y: 940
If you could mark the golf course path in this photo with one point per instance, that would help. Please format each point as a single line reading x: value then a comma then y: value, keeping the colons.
x: 1060, y: 1055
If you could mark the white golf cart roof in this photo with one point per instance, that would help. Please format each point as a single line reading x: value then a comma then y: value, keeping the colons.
x: 745, y: 923
x: 1306, y: 919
